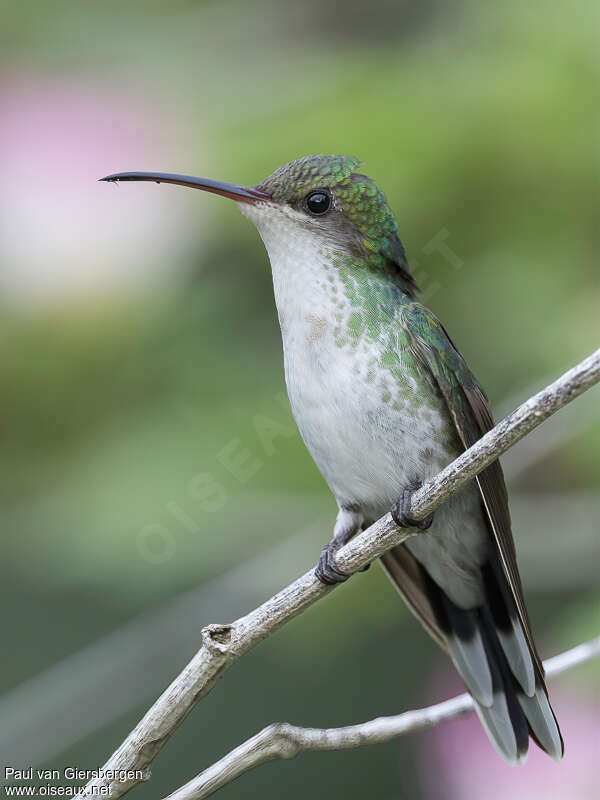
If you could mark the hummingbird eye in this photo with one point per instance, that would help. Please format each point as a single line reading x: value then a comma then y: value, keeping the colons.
x: 318, y: 203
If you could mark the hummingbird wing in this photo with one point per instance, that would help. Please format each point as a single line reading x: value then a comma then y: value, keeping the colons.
x: 470, y: 411
x: 484, y: 643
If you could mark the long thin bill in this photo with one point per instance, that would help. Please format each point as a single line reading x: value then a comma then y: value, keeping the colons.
x: 243, y: 194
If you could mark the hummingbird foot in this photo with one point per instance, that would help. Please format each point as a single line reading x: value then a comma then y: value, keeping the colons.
x: 400, y: 512
x: 347, y: 524
x: 326, y: 571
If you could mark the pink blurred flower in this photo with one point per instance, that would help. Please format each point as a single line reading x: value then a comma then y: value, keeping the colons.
x: 62, y: 231
x: 457, y: 760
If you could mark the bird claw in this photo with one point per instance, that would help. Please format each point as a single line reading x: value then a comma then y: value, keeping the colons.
x: 326, y: 571
x: 400, y: 512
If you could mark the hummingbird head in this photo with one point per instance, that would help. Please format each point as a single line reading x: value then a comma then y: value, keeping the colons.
x: 344, y: 211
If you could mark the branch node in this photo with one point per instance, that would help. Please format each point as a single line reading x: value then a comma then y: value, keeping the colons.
x: 217, y: 637
x: 282, y: 737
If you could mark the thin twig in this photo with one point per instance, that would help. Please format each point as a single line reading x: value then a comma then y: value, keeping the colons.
x: 282, y: 740
x: 224, y: 644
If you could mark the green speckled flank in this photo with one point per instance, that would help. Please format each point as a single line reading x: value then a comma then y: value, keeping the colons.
x: 355, y: 324
x: 373, y: 308
x: 383, y: 317
x: 373, y: 298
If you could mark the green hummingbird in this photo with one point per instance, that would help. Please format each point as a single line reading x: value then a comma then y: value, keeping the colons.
x: 383, y: 401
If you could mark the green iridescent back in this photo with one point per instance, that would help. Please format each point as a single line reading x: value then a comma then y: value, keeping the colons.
x: 360, y: 215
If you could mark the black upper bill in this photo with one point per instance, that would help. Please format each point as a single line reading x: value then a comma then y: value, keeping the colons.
x: 243, y: 194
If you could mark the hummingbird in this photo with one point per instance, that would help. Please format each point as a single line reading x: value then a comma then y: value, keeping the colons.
x: 384, y: 401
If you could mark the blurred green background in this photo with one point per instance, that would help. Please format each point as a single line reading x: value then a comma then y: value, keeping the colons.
x: 139, y: 349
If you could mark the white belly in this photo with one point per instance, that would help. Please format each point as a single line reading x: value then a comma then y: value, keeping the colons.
x: 365, y: 449
x: 368, y: 452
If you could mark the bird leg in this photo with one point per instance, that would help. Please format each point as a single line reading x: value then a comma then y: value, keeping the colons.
x: 401, y: 511
x: 347, y: 524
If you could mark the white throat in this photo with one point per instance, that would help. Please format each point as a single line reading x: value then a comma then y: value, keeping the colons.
x: 303, y: 276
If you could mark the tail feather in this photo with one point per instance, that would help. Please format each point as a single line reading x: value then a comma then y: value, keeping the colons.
x: 542, y: 722
x: 517, y: 654
x: 528, y: 686
x: 467, y: 651
x: 505, y: 713
x: 506, y: 730
x: 508, y: 629
x: 490, y: 652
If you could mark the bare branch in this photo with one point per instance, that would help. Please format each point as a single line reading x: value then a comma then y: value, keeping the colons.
x: 282, y: 740
x: 224, y: 644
